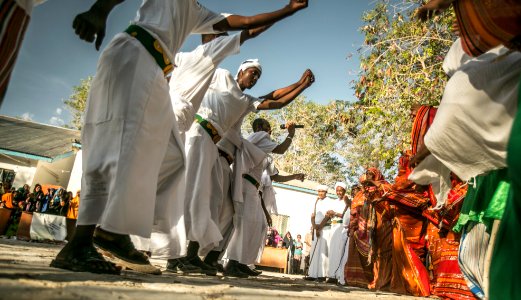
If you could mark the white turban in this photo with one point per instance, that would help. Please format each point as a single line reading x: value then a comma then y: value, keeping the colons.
x: 341, y: 184
x: 322, y: 187
x: 250, y: 63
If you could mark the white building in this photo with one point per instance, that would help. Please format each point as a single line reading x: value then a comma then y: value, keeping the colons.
x: 32, y: 153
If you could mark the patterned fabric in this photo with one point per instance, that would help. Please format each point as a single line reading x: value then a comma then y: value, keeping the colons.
x: 422, y: 122
x: 448, y: 281
x: 485, y: 24
x: 410, y: 276
x: 13, y: 23
x: 358, y: 272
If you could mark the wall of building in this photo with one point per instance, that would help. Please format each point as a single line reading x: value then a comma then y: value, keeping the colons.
x: 24, y: 168
x: 298, y: 206
x: 55, y: 173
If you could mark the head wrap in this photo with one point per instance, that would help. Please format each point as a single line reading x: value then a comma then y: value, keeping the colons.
x: 341, y: 184
x: 250, y: 63
x: 322, y: 187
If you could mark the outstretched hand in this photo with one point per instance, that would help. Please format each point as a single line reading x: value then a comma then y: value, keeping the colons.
x: 422, y: 153
x: 91, y: 24
x: 309, y: 78
x: 432, y: 8
x: 300, y: 176
x: 297, y: 5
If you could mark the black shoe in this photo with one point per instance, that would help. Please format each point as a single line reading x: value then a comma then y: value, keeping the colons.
x: 321, y: 279
x: 332, y: 280
x: 182, y: 264
x: 207, y: 269
x: 247, y: 270
x: 309, y: 278
x: 232, y: 270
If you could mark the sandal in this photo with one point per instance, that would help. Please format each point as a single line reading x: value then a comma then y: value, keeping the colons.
x: 119, y: 249
x: 85, y: 259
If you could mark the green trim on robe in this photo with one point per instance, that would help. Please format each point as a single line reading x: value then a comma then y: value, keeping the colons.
x: 505, y: 269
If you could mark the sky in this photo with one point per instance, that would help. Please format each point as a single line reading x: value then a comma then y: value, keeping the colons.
x: 324, y: 38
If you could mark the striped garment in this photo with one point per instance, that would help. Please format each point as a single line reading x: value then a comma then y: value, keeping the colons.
x: 485, y: 24
x: 13, y: 23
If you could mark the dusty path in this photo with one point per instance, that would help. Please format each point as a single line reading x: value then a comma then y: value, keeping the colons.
x: 25, y: 274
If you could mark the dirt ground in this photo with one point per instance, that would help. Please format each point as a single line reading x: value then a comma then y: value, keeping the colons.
x: 25, y: 274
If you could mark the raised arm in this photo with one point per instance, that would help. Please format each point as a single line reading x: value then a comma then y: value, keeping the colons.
x: 253, y: 33
x: 286, y: 90
x: 236, y: 22
x: 283, y: 147
x: 285, y: 178
x: 92, y: 23
x: 286, y: 95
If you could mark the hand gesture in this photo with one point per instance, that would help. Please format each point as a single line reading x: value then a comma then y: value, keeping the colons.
x: 300, y: 176
x: 89, y: 24
x: 296, y: 5
x: 422, y: 153
x: 290, y: 126
x: 433, y: 7
x: 309, y: 79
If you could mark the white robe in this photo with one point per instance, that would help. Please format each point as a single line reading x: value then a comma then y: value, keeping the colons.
x: 336, y: 243
x: 321, y: 247
x: 249, y: 220
x: 224, y: 105
x: 193, y: 74
x: 132, y: 150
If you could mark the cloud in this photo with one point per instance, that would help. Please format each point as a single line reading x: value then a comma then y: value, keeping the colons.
x: 56, y: 121
x: 59, y: 111
x: 27, y: 116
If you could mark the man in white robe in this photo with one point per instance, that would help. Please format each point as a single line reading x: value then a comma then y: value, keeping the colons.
x: 189, y: 82
x: 251, y: 219
x: 338, y: 246
x: 221, y: 114
x: 325, y: 223
x: 131, y: 143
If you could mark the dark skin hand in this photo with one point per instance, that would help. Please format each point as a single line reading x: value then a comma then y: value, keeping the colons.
x: 422, y: 153
x: 432, y: 8
x: 91, y: 24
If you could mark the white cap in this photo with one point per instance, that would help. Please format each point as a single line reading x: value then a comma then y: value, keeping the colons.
x: 341, y: 184
x: 322, y: 187
x: 249, y: 63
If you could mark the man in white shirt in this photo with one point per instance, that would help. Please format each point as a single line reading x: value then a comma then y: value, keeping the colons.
x: 324, y: 221
x: 130, y: 129
x: 221, y: 114
x: 251, y: 219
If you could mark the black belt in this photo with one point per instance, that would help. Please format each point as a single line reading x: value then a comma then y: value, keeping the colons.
x: 153, y: 47
x: 251, y: 180
x: 228, y: 157
x: 209, y: 128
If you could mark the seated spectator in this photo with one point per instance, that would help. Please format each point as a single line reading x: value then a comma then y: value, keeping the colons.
x: 38, y: 197
x: 8, y: 199
x: 64, y: 203
x: 46, y: 201
x: 22, y: 193
x: 74, y: 204
x: 54, y: 202
x: 297, y: 256
x: 30, y: 203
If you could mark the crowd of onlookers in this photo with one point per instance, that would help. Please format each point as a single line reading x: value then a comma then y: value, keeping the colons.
x: 55, y: 201
x: 298, y: 249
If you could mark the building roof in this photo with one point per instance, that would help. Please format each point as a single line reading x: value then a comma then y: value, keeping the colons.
x: 35, y: 140
x: 306, y: 186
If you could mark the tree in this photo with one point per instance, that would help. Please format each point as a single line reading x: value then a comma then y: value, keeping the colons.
x: 400, y: 66
x: 77, y: 102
